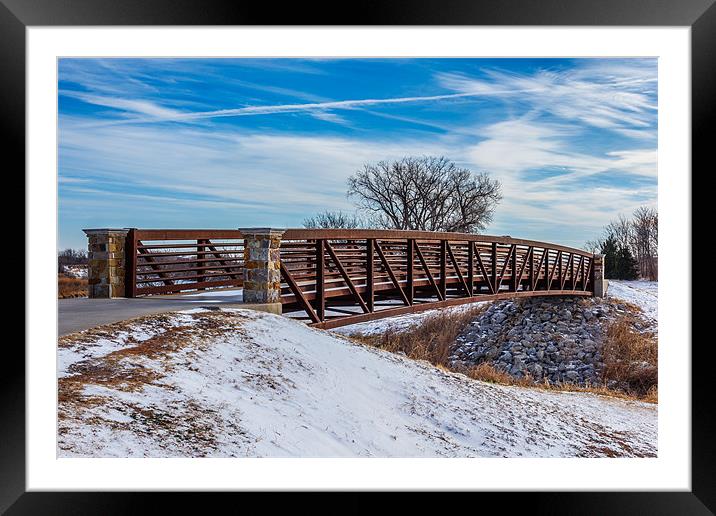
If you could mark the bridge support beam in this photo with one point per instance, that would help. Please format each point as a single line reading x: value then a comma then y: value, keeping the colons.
x: 599, y: 284
x: 262, y: 266
x: 106, y: 262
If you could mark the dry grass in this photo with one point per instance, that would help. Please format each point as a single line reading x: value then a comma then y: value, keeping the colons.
x: 630, y: 359
x: 114, y: 371
x: 139, y: 363
x: 71, y: 287
x: 488, y: 373
x: 627, y: 353
x: 431, y: 340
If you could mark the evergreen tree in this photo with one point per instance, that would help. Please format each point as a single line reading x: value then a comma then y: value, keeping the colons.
x: 619, y: 262
x: 611, y: 259
x: 627, y: 265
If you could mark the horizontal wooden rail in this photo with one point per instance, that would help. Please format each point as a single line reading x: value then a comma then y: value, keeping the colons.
x: 399, y: 234
x: 338, y: 276
x: 359, y: 275
x: 169, y: 261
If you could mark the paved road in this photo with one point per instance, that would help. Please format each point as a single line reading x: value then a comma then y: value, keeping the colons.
x: 81, y: 313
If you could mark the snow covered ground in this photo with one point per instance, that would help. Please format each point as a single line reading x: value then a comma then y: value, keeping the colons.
x: 242, y: 383
x: 75, y: 271
x: 641, y: 293
x: 399, y: 322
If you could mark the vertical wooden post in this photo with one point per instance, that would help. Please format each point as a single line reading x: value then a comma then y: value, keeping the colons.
x: 320, y: 279
x: 130, y: 264
x: 370, y: 274
x: 410, y: 270
x: 513, y: 281
x: 560, y: 257
x: 546, y: 269
x: 443, y: 268
x: 532, y: 268
x: 494, y: 266
x: 470, y: 269
x: 200, y: 246
x: 571, y: 269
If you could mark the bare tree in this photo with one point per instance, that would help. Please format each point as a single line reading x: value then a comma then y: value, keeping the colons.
x: 333, y: 220
x: 425, y: 193
x: 594, y: 246
x: 639, y: 235
x: 621, y: 230
x: 644, y: 243
x: 71, y: 257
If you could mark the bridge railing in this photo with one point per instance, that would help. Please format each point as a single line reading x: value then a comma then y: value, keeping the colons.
x: 334, y: 277
x: 342, y: 276
x: 161, y: 261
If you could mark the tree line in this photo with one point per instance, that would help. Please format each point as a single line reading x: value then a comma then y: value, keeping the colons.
x: 630, y: 245
x: 70, y: 257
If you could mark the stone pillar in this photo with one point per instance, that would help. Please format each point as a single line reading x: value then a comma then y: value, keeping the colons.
x: 105, y: 271
x: 262, y: 266
x: 599, y: 284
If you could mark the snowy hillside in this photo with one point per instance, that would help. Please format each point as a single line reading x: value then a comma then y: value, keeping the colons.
x: 641, y: 293
x: 241, y: 383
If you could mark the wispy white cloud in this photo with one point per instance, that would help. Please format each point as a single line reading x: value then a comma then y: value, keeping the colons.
x: 516, y: 146
x: 133, y: 106
x: 311, y: 108
x: 327, y: 116
x: 294, y: 176
x: 544, y: 178
x: 279, y: 90
x: 615, y: 96
x: 305, y: 172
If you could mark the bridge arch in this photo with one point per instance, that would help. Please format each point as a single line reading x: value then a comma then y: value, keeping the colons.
x: 339, y: 277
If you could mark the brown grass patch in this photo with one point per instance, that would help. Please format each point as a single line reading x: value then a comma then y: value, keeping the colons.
x: 630, y: 359
x: 488, y: 373
x: 432, y: 339
x: 71, y: 287
x: 186, y: 424
x: 114, y: 371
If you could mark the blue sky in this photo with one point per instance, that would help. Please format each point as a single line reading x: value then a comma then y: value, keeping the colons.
x: 226, y: 143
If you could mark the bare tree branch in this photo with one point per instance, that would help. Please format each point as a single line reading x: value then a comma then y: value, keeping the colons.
x: 425, y: 193
x: 333, y: 220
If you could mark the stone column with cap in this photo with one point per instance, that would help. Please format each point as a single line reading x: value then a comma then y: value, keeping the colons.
x: 262, y: 266
x: 106, y: 262
x: 599, y: 284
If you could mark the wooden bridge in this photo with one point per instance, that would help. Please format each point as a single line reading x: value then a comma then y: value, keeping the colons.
x: 337, y: 277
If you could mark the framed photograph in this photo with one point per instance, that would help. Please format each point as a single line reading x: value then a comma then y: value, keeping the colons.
x: 407, y: 250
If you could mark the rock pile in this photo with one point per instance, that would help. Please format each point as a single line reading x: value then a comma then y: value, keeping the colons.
x: 555, y: 338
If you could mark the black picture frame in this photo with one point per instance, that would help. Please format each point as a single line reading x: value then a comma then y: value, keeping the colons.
x: 700, y: 15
